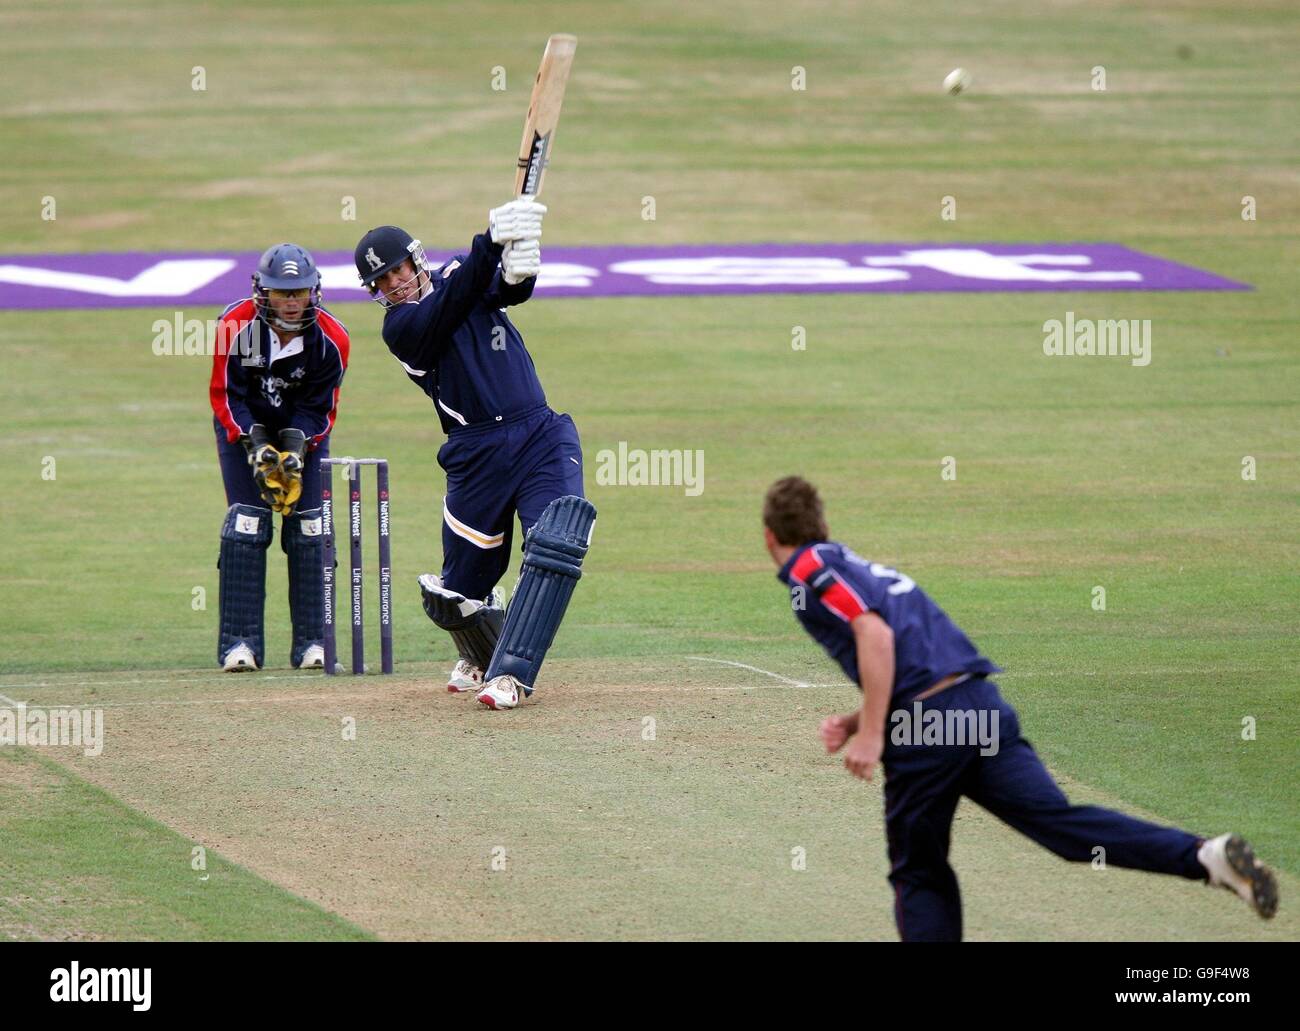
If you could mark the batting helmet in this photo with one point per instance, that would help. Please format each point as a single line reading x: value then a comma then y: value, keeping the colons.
x: 385, y: 248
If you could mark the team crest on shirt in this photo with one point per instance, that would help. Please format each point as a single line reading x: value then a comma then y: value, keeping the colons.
x: 271, y: 387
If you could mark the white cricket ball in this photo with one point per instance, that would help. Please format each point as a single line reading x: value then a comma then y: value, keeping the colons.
x: 957, y: 80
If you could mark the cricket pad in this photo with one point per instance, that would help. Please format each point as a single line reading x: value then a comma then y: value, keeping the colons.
x: 245, y: 536
x: 300, y: 537
x: 553, y: 555
x: 475, y: 626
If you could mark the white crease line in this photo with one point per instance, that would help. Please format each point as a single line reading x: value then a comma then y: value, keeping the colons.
x: 125, y: 678
x: 755, y: 669
x: 425, y: 669
x: 218, y: 678
x: 388, y: 699
x: 96, y: 704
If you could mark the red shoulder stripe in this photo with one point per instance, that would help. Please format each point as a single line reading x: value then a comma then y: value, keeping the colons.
x: 336, y: 334
x: 840, y: 598
x: 232, y: 322
x: 806, y: 565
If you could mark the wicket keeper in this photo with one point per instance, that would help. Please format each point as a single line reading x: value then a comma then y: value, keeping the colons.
x: 507, y: 452
x: 278, y: 362
x: 916, y: 668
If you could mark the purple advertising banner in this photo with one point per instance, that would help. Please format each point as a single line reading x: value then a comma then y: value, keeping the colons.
x: 174, y: 279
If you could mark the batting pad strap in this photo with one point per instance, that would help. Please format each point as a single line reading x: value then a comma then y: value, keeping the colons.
x: 563, y: 559
x: 553, y: 556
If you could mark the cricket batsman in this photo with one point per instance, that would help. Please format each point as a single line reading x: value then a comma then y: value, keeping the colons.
x: 506, y: 451
x: 917, y: 669
x: 278, y: 362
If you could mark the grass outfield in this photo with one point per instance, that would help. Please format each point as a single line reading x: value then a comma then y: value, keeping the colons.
x: 1072, y: 474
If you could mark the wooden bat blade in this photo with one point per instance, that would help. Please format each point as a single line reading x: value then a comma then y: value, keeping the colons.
x: 544, y: 113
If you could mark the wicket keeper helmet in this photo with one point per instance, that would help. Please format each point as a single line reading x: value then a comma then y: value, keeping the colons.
x: 286, y: 266
x: 383, y: 249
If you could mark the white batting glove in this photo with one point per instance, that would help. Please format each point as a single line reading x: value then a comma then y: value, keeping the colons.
x: 521, y: 260
x: 519, y: 220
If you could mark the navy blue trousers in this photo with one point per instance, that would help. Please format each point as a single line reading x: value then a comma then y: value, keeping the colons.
x: 923, y: 783
x: 519, y: 465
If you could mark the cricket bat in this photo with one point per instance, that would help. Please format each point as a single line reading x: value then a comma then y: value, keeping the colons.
x: 544, y: 113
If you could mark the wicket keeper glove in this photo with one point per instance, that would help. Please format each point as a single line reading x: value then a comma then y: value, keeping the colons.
x: 263, y: 458
x: 257, y: 442
x: 293, y: 448
x: 518, y: 220
x: 281, y: 491
x: 287, y: 479
x: 520, y: 261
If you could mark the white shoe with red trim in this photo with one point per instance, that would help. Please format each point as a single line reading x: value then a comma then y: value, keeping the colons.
x: 500, y: 692
x: 464, y: 677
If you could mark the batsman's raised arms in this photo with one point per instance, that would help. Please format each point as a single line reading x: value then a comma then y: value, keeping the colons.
x: 544, y: 113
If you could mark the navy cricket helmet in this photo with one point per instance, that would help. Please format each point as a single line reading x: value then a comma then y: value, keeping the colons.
x: 286, y: 266
x: 383, y: 249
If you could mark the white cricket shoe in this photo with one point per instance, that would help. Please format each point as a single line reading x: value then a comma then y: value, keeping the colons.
x: 313, y: 657
x: 465, y: 676
x: 500, y: 692
x: 1231, y: 863
x: 240, y: 659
